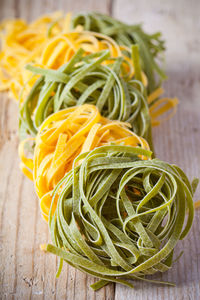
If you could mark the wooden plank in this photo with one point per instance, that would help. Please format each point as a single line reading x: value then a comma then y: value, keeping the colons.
x: 176, y: 141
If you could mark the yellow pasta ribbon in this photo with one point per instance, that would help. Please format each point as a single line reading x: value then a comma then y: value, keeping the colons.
x: 62, y: 137
x: 22, y: 43
x: 49, y: 43
x: 161, y: 106
x: 26, y: 164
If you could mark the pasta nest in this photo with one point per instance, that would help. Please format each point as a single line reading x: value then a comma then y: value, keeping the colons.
x: 119, y: 217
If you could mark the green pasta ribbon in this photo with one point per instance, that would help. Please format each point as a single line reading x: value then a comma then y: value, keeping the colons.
x: 150, y: 45
x: 119, y: 217
x: 85, y: 79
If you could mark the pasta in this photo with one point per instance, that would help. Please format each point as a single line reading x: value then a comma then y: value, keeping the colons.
x: 119, y: 217
x: 88, y: 97
x: 86, y: 80
x: 62, y: 137
x: 57, y: 46
x: 22, y: 43
x: 150, y: 45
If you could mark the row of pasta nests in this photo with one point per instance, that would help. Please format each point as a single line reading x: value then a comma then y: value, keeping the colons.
x: 49, y: 43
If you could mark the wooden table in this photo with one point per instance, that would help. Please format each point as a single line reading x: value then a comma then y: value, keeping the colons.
x: 27, y: 272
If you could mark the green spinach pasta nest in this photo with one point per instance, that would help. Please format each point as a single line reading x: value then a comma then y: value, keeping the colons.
x: 150, y: 45
x: 119, y: 217
x: 86, y: 79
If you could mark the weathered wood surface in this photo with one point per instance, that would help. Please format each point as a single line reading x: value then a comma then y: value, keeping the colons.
x: 26, y: 272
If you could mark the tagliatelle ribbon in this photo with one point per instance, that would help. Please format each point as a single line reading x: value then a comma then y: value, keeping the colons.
x: 22, y: 43
x: 85, y: 79
x: 48, y: 43
x: 158, y: 106
x: 63, y: 136
x: 125, y: 35
x: 119, y: 217
x: 61, y: 48
x: 26, y: 164
x: 20, y: 46
x: 197, y: 204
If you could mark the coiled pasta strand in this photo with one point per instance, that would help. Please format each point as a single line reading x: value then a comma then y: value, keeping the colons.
x: 84, y: 79
x: 119, y: 217
x: 62, y: 137
x: 150, y: 45
x: 48, y: 43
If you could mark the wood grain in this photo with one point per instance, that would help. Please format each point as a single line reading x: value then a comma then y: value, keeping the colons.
x: 26, y: 272
x: 177, y: 140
